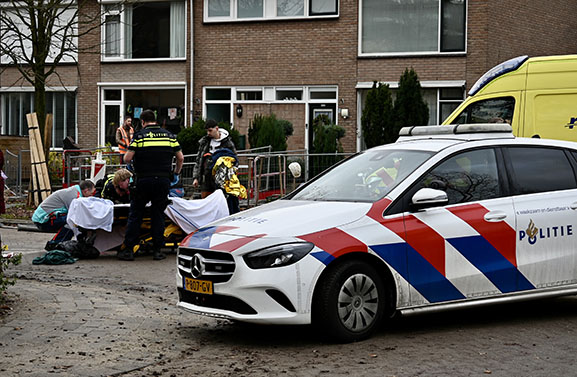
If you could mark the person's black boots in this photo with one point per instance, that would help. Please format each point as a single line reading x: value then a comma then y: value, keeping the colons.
x: 50, y: 245
x: 125, y: 253
x: 158, y: 255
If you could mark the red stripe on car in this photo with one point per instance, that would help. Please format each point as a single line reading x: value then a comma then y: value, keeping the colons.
x: 335, y: 242
x: 425, y: 240
x: 235, y: 244
x: 499, y: 234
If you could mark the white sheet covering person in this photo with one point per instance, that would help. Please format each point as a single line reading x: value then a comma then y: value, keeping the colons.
x: 98, y: 214
x: 91, y: 213
x: 190, y: 215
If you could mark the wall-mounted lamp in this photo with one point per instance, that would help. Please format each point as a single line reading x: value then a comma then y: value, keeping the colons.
x: 197, y: 101
x: 239, y: 111
x: 344, y: 113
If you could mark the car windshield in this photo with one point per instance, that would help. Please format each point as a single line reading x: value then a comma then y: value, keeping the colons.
x: 366, y: 177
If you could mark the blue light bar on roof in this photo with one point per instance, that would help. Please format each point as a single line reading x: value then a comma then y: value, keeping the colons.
x: 496, y: 71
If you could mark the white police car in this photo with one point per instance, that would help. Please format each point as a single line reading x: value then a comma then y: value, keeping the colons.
x: 446, y: 217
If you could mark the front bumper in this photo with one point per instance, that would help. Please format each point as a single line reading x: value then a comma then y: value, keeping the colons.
x: 281, y: 295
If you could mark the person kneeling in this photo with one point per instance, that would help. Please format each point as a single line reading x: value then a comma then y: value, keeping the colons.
x: 51, y: 214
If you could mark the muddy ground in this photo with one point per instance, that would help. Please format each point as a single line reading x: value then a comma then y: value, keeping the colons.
x: 104, y: 317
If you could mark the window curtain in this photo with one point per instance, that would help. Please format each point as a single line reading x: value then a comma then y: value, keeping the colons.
x: 128, y: 31
x: 112, y: 37
x: 250, y: 8
x: 400, y: 26
x: 323, y: 6
x: 177, y: 21
x: 218, y: 8
x: 290, y: 8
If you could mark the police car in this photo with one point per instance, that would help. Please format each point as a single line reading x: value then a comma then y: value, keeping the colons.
x: 446, y: 217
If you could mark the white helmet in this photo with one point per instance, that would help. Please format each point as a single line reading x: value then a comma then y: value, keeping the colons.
x: 295, y: 169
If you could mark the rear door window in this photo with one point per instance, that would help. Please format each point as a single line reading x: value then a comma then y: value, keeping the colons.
x: 540, y: 170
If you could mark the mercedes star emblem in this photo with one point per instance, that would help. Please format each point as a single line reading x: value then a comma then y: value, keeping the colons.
x: 197, y: 266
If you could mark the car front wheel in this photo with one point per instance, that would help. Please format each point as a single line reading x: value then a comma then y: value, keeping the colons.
x: 350, y: 302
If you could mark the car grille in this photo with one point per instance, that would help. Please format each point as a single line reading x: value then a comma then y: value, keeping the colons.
x: 215, y: 266
x: 222, y: 302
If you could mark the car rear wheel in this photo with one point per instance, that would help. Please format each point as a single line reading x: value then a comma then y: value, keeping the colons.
x: 350, y: 302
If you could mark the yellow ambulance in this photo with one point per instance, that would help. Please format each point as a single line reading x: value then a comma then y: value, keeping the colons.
x: 537, y: 96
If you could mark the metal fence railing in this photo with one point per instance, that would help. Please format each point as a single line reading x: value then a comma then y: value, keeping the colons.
x: 17, y: 171
x: 265, y: 174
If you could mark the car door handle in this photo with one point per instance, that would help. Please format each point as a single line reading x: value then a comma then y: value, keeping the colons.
x: 495, y: 216
x: 574, y: 205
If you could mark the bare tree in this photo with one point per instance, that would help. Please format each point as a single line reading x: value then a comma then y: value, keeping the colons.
x: 38, y: 35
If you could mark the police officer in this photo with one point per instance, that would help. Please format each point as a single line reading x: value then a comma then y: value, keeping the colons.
x: 151, y: 152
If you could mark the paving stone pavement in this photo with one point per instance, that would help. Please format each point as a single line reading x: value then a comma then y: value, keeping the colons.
x: 98, y: 317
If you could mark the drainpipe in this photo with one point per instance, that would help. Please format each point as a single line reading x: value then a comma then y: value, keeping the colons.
x: 191, y: 110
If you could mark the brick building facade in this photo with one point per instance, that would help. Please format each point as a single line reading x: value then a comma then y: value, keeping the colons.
x: 321, y: 59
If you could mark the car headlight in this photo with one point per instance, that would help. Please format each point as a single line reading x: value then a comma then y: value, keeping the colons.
x: 278, y: 255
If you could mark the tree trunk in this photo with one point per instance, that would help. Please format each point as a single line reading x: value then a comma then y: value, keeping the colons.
x: 40, y: 106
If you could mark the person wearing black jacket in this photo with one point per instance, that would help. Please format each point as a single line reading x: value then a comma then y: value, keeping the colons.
x: 151, y: 151
x: 115, y: 187
x: 215, y: 139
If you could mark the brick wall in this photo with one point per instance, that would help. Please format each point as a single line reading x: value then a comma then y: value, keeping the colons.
x: 532, y: 28
x: 14, y: 143
x: 319, y: 52
x: 89, y: 75
x: 65, y: 75
x: 144, y: 72
x: 280, y: 53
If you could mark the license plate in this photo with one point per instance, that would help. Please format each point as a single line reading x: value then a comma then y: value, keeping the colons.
x: 198, y: 286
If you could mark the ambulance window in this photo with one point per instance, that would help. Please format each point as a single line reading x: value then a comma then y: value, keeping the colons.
x: 540, y: 170
x: 494, y: 110
x: 466, y: 177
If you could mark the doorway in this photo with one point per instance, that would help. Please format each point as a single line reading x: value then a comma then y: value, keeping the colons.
x: 316, y: 109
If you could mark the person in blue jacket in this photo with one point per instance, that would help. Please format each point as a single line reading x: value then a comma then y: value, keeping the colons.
x: 51, y: 214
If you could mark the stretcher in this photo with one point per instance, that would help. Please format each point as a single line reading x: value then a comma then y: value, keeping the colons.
x: 102, y: 224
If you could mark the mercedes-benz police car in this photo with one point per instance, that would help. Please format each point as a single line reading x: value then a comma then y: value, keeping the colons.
x: 446, y: 217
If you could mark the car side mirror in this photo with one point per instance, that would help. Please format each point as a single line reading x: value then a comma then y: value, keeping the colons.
x: 428, y: 197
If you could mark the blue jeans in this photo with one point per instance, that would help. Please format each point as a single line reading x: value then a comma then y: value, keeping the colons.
x: 149, y: 189
x: 56, y: 225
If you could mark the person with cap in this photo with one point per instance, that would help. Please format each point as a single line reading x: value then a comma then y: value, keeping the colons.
x: 216, y: 138
x: 151, y: 152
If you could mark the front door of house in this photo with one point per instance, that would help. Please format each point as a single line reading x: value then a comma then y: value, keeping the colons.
x: 315, y: 110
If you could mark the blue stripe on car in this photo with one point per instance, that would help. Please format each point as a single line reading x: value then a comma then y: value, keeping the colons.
x: 481, y: 254
x: 418, y: 272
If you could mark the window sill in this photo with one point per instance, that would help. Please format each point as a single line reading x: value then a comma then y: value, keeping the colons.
x: 150, y: 60
x: 410, y: 54
x: 271, y: 19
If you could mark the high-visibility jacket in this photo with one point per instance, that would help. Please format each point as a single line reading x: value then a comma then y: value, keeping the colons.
x: 125, y: 139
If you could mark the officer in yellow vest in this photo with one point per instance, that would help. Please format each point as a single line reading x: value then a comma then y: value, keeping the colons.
x: 151, y: 152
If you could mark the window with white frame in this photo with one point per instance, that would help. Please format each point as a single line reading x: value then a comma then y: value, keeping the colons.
x: 241, y: 10
x: 218, y: 101
x: 62, y: 105
x: 144, y: 30
x: 412, y: 27
x: 15, y: 34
